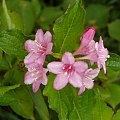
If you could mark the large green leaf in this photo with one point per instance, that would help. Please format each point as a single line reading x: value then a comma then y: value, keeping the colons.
x: 10, y: 20
x: 69, y: 106
x: 83, y: 106
x: 114, y: 95
x: 68, y: 28
x: 27, y: 11
x: 116, y: 116
x: 40, y: 104
x: 5, y: 89
x: 23, y: 104
x: 60, y: 101
x: 113, y: 29
x: 101, y: 111
x: 7, y: 98
x: 114, y: 61
x: 12, y: 42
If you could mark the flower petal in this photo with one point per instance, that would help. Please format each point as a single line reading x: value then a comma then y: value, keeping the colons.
x: 89, y: 83
x: 55, y: 67
x: 49, y: 48
x: 80, y: 67
x: 34, y: 57
x: 47, y: 37
x: 45, y: 80
x: 82, y: 89
x: 60, y: 81
x: 31, y: 46
x: 92, y: 73
x: 68, y: 58
x: 36, y: 85
x: 28, y: 79
x: 88, y: 35
x: 39, y: 36
x: 75, y: 80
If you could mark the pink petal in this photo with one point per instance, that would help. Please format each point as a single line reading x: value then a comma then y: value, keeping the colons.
x: 55, y: 67
x: 80, y: 66
x: 101, y: 43
x: 92, y: 73
x: 30, y: 46
x: 103, y: 65
x: 60, y: 81
x: 49, y: 48
x: 92, y: 57
x: 68, y: 58
x: 75, y: 80
x: 88, y: 35
x: 89, y: 83
x: 28, y: 78
x: 82, y: 89
x: 39, y: 36
x: 47, y: 37
x: 36, y: 85
x: 34, y: 57
x: 45, y: 80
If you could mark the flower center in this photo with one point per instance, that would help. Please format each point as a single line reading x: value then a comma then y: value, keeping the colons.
x: 41, y: 48
x: 68, y: 69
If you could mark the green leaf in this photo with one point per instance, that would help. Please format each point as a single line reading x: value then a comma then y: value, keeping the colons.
x: 99, y: 18
x: 113, y: 29
x: 10, y: 20
x: 5, y: 115
x: 67, y: 3
x: 114, y: 95
x: 7, y: 98
x: 12, y: 42
x: 14, y: 76
x: 5, y: 89
x: 40, y: 104
x: 23, y: 104
x: 83, y: 106
x: 27, y: 11
x: 116, y: 116
x: 1, y: 53
x: 101, y: 111
x: 113, y: 62
x: 7, y: 62
x: 110, y: 77
x: 60, y: 101
x: 68, y: 28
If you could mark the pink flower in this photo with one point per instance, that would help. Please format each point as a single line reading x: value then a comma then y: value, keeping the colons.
x: 68, y: 71
x: 102, y: 54
x: 95, y: 52
x: 87, y: 79
x: 39, y: 48
x: 87, y: 43
x: 36, y: 75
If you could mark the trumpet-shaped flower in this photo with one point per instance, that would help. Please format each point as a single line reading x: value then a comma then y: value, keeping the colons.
x: 87, y: 43
x: 68, y: 71
x: 87, y: 79
x: 36, y: 75
x: 39, y: 48
x: 102, y: 54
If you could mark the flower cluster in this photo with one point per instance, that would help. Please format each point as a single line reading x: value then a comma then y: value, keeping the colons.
x: 38, y: 49
x: 70, y: 70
